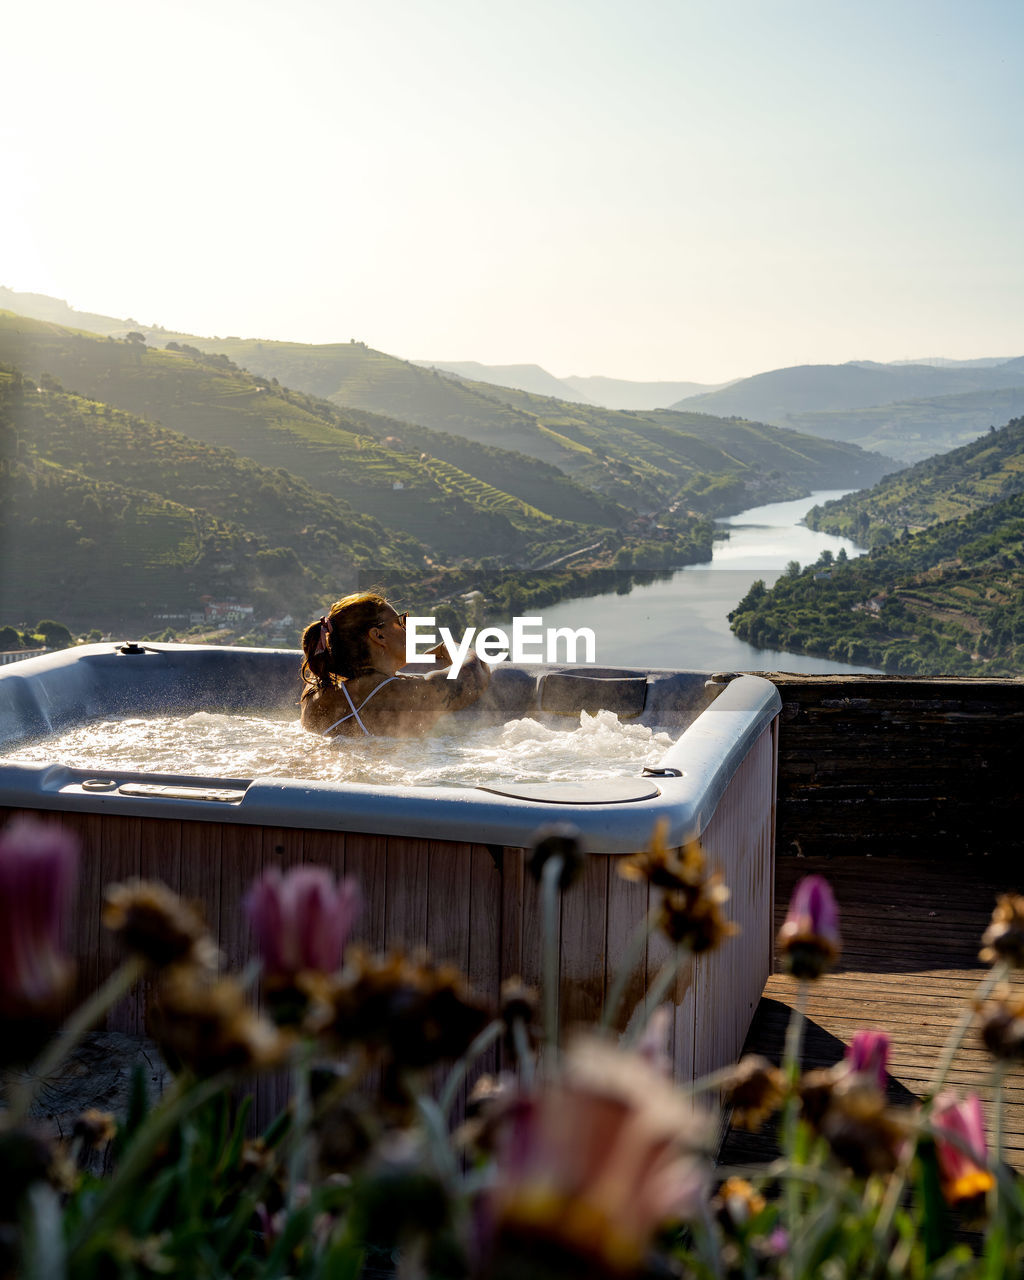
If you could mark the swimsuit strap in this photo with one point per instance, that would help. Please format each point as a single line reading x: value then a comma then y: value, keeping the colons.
x: 356, y: 710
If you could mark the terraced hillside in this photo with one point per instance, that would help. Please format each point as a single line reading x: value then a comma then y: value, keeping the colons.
x: 946, y: 601
x: 357, y: 377
x: 106, y: 444
x: 96, y: 550
x: 944, y: 487
x: 713, y: 464
x: 640, y: 461
x: 208, y: 399
x: 644, y: 460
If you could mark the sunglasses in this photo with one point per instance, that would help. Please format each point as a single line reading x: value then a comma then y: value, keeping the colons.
x: 400, y: 618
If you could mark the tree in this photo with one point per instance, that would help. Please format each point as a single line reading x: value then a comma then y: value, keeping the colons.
x: 55, y: 634
x: 9, y: 639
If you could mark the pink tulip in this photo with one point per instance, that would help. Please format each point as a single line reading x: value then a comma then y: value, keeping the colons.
x: 302, y: 919
x: 963, y: 1172
x: 38, y: 875
x: 809, y: 939
x: 868, y: 1054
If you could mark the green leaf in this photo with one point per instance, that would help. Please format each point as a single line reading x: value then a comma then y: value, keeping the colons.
x: 935, y: 1224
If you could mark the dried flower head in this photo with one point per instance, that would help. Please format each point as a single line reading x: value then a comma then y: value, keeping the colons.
x: 755, y: 1090
x: 345, y: 1134
x: 865, y: 1134
x: 95, y: 1128
x: 38, y: 873
x: 962, y: 1164
x: 849, y: 1110
x: 661, y: 865
x: 485, y: 1108
x: 486, y: 1094
x: 1002, y: 1028
x: 809, y: 942
x: 401, y: 1196
x: 1004, y: 937
x: 736, y: 1202
x: 591, y: 1164
x: 152, y: 921
x: 558, y: 840
x: 691, y: 902
x: 412, y: 1010
x: 518, y: 1010
x: 203, y: 1022
x: 815, y: 1091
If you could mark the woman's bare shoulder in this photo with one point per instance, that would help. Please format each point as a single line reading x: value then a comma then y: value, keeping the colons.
x: 319, y: 708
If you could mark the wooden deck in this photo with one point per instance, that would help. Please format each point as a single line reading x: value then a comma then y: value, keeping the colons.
x: 911, y: 931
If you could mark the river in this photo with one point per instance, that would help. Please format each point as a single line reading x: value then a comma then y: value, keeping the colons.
x: 682, y: 622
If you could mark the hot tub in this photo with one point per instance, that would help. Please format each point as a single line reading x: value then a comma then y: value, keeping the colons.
x: 441, y: 867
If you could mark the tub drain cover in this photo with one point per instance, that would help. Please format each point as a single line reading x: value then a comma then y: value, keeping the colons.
x: 596, y: 791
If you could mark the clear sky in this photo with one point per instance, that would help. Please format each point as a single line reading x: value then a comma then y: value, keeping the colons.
x: 649, y: 189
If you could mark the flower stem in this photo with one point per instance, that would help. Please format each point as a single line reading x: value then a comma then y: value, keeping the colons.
x: 710, y: 1083
x: 790, y: 1115
x: 298, y: 1157
x: 549, y: 889
x: 635, y: 949
x: 956, y: 1036
x: 74, y: 1031
x: 658, y: 990
x: 795, y: 1038
x: 998, y: 1075
x: 458, y: 1072
x: 524, y: 1056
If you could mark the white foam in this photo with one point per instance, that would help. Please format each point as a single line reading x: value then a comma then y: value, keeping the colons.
x: 249, y: 746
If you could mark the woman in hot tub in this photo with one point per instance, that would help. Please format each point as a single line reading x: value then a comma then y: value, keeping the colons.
x: 353, y: 689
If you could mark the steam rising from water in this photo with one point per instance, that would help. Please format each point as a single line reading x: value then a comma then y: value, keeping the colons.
x: 232, y: 746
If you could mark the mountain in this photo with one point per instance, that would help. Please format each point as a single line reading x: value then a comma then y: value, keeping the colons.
x: 617, y: 393
x: 38, y: 306
x: 814, y: 388
x: 360, y: 459
x: 623, y: 461
x: 944, y: 487
x: 609, y: 393
x: 355, y: 376
x: 912, y: 430
x: 712, y: 464
x: 943, y: 362
x: 88, y: 529
x: 524, y: 377
x: 642, y: 462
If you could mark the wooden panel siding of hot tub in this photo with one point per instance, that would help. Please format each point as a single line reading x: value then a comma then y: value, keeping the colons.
x: 473, y: 905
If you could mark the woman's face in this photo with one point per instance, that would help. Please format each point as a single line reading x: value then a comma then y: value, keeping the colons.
x: 389, y: 633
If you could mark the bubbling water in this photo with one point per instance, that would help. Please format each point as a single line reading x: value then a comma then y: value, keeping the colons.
x: 247, y: 746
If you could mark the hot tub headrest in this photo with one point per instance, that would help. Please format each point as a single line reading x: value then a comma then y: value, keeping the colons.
x: 566, y: 693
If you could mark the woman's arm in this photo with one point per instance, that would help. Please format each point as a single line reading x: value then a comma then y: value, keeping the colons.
x: 465, y: 688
